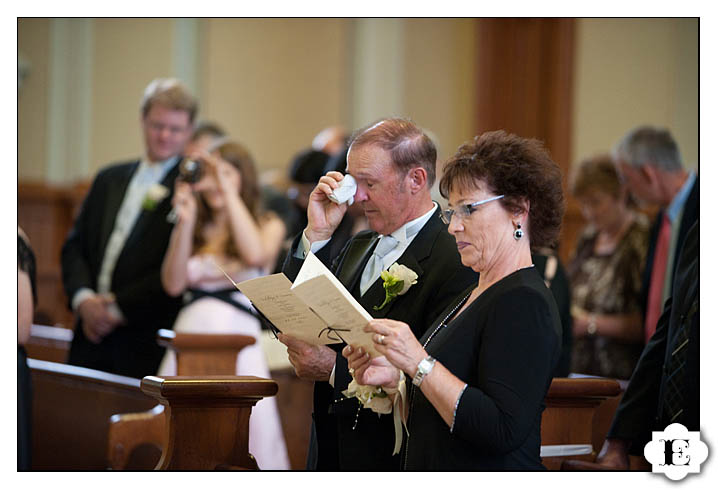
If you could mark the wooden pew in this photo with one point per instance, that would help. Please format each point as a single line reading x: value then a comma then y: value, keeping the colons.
x: 71, y: 411
x: 207, y: 419
x: 49, y: 343
x: 197, y: 355
x: 578, y: 412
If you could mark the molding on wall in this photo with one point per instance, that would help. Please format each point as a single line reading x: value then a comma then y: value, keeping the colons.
x: 69, y: 100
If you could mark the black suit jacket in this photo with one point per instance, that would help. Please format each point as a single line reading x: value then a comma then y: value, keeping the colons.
x: 131, y: 349
x: 641, y: 408
x: 433, y: 256
x: 690, y: 216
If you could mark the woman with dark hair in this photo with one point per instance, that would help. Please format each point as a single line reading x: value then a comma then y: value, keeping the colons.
x: 481, y: 372
x: 220, y: 227
x: 606, y: 273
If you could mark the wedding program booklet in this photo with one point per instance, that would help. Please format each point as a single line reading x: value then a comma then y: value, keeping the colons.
x: 317, y: 308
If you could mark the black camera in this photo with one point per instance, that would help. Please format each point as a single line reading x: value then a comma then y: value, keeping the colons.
x: 190, y: 170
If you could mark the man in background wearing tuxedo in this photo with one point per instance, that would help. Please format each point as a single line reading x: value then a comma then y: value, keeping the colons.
x: 394, y: 164
x: 112, y: 257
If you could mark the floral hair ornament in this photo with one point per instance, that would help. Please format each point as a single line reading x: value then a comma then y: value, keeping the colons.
x: 155, y: 194
x: 397, y: 281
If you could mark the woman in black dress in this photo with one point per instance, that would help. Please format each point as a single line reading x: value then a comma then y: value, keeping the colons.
x: 481, y: 373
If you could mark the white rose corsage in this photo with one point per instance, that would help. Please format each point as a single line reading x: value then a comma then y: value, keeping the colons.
x: 397, y: 281
x: 372, y: 397
x: 379, y: 399
x: 155, y: 194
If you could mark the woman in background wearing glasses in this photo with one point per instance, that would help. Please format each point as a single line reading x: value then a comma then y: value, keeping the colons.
x: 481, y: 372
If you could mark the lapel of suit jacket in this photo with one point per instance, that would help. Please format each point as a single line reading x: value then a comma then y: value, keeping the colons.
x: 115, y: 195
x: 158, y: 213
x: 357, y: 256
x: 416, y: 252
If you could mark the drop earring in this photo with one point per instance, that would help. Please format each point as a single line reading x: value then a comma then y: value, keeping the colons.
x: 518, y: 232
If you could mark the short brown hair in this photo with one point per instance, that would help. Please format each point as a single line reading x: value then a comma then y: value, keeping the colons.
x: 598, y: 172
x: 407, y: 144
x: 170, y: 93
x: 517, y: 168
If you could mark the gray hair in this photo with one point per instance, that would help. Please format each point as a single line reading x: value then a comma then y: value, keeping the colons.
x: 645, y: 145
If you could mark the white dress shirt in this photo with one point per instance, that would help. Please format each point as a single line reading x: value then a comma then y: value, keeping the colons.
x: 147, y: 175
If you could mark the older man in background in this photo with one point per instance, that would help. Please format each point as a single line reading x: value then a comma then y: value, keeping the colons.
x: 650, y: 162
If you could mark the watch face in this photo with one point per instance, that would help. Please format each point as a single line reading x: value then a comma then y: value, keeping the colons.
x: 425, y: 365
x: 423, y: 369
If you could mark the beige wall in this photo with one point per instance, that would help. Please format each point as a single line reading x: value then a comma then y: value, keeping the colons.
x: 631, y: 72
x: 274, y: 83
x: 440, y: 79
x: 33, y: 37
x: 128, y: 53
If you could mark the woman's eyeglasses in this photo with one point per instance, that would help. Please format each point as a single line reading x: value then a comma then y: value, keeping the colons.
x: 462, y: 211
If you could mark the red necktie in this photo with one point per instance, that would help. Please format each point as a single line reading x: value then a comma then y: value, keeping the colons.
x: 658, y: 276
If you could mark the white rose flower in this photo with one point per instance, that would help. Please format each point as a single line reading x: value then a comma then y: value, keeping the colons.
x: 154, y: 195
x: 405, y: 274
x: 157, y: 192
x: 372, y: 397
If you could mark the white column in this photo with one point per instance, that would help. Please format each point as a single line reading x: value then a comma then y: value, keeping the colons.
x: 379, y: 58
x: 185, y: 53
x: 69, y: 100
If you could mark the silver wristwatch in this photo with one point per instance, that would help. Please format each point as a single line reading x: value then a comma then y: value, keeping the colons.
x: 424, y: 368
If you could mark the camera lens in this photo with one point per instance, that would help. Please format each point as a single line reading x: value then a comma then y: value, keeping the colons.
x: 190, y: 171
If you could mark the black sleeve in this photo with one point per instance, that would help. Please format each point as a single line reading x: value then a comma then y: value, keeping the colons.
x: 514, y: 364
x: 292, y: 265
x: 26, y: 263
x: 637, y: 411
x: 76, y: 270
x: 561, y: 290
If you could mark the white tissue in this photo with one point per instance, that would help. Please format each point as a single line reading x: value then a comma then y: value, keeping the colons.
x: 345, y: 192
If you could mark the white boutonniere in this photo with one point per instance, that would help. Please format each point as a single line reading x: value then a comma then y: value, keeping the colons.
x: 397, y: 281
x: 155, y: 194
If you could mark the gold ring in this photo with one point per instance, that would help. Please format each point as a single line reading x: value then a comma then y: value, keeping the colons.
x: 381, y: 339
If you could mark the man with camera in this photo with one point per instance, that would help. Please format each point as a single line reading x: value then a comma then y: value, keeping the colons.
x: 112, y: 257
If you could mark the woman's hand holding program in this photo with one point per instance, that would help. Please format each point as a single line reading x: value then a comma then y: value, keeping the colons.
x: 397, y: 342
x: 367, y: 371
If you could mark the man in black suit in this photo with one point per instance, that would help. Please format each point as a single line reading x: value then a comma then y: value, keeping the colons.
x: 665, y: 387
x: 394, y: 164
x: 649, y: 160
x: 112, y: 257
